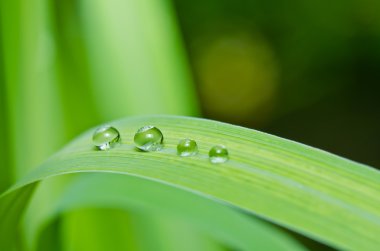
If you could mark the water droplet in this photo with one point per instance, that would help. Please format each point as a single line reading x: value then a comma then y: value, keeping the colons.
x: 149, y: 138
x: 187, y: 148
x: 218, y: 154
x: 105, y: 137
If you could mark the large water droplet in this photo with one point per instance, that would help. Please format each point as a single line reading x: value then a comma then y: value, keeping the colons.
x: 149, y: 138
x: 218, y: 154
x: 187, y: 148
x: 105, y: 137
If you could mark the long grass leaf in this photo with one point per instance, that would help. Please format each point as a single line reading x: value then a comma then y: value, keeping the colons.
x: 137, y: 58
x: 325, y: 197
x: 146, y: 198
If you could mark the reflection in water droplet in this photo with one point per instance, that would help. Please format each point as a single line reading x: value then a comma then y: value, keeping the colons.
x: 149, y: 138
x: 105, y: 137
x: 218, y: 154
x: 187, y: 148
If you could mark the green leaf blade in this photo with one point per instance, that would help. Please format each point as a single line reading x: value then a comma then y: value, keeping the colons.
x: 159, y: 203
x: 312, y: 192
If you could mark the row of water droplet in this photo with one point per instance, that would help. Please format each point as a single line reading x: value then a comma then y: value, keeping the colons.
x: 150, y: 138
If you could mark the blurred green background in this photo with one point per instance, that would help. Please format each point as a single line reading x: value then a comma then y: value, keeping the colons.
x: 307, y: 71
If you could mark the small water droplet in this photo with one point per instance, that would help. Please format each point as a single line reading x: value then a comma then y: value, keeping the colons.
x: 218, y: 154
x: 149, y: 138
x: 105, y: 137
x: 187, y: 148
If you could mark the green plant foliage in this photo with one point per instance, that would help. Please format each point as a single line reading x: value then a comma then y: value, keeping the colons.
x: 325, y: 197
x: 151, y: 198
x: 68, y: 65
x: 144, y: 68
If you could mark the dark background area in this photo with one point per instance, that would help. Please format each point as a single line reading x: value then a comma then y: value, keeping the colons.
x: 306, y: 71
